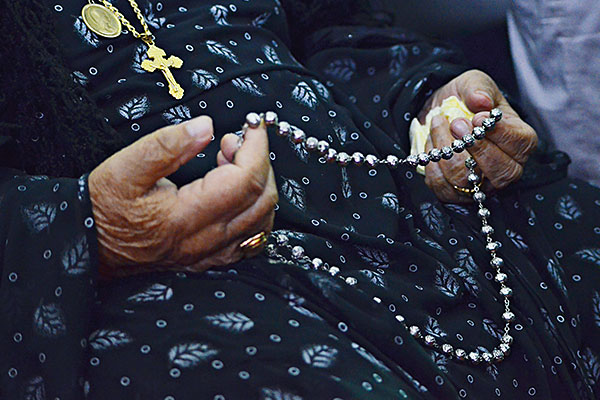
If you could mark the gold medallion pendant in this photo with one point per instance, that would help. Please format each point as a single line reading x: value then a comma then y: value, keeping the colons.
x: 101, y: 20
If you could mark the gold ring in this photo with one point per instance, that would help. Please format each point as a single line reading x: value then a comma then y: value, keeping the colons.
x: 254, y: 242
x: 469, y: 191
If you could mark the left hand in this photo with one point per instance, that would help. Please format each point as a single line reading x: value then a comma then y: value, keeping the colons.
x: 500, y: 156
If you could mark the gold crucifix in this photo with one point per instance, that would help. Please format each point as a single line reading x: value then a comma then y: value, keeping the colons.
x: 158, y: 61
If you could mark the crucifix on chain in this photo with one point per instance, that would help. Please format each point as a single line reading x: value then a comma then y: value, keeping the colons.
x: 158, y: 61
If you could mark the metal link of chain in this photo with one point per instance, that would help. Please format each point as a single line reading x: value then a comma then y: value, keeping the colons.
x: 147, y: 36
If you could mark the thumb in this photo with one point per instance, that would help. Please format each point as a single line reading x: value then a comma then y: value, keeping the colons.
x: 161, y: 153
x: 479, y: 91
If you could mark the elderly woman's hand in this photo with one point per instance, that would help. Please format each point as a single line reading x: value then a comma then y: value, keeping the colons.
x: 144, y: 222
x: 500, y: 155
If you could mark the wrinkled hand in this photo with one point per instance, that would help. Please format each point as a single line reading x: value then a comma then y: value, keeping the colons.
x: 500, y: 155
x: 144, y: 222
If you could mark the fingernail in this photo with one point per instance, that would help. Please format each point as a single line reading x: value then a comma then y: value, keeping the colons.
x: 199, y: 127
x: 459, y: 128
x: 484, y: 94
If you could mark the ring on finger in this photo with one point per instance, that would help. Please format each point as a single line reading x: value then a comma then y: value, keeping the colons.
x: 254, y: 242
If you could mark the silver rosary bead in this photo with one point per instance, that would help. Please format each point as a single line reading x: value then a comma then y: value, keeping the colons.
x: 392, y: 161
x: 435, y: 155
x: 253, y: 120
x: 400, y: 318
x: 507, y: 339
x: 492, y: 246
x: 473, y: 179
x: 479, y: 196
x: 478, y: 133
x: 284, y: 128
x: 423, y: 159
x: 470, y: 163
x: 282, y: 240
x: 505, y: 348
x: 429, y: 340
x: 487, y: 357
x: 447, y: 349
x: 297, y: 252
x: 474, y: 357
x: 311, y: 143
x: 331, y: 155
x: 483, y: 212
x: 458, y: 146
x: 371, y: 160
x: 358, y: 158
x: 488, y: 123
x: 351, y: 281
x: 469, y: 140
x: 496, y: 113
x: 412, y: 160
x: 487, y: 229
x: 460, y: 354
x: 317, y: 263
x: 414, y: 331
x: 498, y: 355
x: 322, y: 146
x: 333, y: 271
x: 497, y: 262
x: 506, y: 291
x: 270, y: 118
x: 447, y: 152
x: 298, y: 136
x: 343, y: 158
x: 501, y: 277
x: 508, y: 316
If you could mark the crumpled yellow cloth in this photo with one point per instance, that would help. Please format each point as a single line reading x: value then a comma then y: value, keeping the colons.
x: 451, y: 108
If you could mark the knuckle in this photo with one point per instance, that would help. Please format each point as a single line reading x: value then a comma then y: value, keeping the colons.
x: 510, y: 173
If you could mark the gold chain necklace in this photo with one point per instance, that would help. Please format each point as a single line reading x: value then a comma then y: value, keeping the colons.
x: 105, y: 20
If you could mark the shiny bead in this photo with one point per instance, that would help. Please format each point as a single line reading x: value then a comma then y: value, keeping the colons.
x: 447, y: 152
x: 470, y: 163
x: 429, y: 340
x: 498, y: 355
x: 343, y: 158
x: 496, y: 113
x: 478, y: 133
x: 333, y: 271
x: 473, y: 179
x: 270, y: 118
x: 317, y: 263
x: 423, y: 159
x: 322, y: 146
x: 487, y: 357
x: 497, y: 262
x: 501, y: 277
x: 492, y: 246
x: 435, y: 155
x: 253, y: 120
x: 358, y: 158
x: 488, y: 123
x: 458, y: 146
x: 392, y: 160
x: 460, y: 354
x: 412, y: 160
x: 487, y: 229
x: 479, y: 196
x: 298, y: 136
x: 297, y: 252
x: 311, y: 143
x: 282, y: 240
x: 371, y: 160
x: 508, y: 316
x: 506, y: 291
x: 351, y: 281
x: 474, y: 357
x: 415, y: 331
x: 469, y: 140
x: 284, y: 129
x: 507, y: 339
x: 505, y: 348
x: 483, y: 212
x: 447, y: 348
x: 331, y: 155
x: 400, y: 318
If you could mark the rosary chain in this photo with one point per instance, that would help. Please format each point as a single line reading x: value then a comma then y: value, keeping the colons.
x: 147, y: 36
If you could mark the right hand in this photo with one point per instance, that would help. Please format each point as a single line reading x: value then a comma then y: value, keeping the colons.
x: 145, y: 223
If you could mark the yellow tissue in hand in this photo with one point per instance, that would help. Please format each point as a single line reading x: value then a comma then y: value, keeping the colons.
x: 451, y: 108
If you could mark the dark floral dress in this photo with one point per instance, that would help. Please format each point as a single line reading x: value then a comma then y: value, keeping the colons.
x: 262, y: 329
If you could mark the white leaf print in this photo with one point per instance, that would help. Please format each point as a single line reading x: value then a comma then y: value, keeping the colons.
x: 465, y: 260
x: 139, y: 55
x: 432, y: 243
x: 517, y: 239
x: 493, y: 371
x: 296, y: 302
x: 186, y: 355
x: 440, y: 360
x: 374, y: 277
x: 550, y: 327
x: 390, y: 201
x: 369, y: 357
x: 48, y: 320
x: 135, y: 108
x: 468, y: 280
x: 346, y: 188
x: 341, y: 133
x: 156, y: 292
x: 491, y: 328
x: 294, y: 193
x: 304, y: 95
x: 321, y: 89
x: 221, y: 50
x: 592, y: 367
x: 592, y: 255
x: 596, y: 308
x: 376, y: 258
x: 398, y: 54
x: 299, y: 149
x: 307, y: 313
x: 567, y: 208
x: 104, y: 339
x: 76, y: 257
x: 446, y: 282
x: 86, y: 34
x: 177, y: 114
x: 39, y: 216
x: 204, y: 79
x: 247, y: 85
x: 152, y: 19
x: 261, y: 19
x: 555, y: 272
x: 319, y: 355
x: 277, y: 394
x: 433, y: 328
x: 219, y: 13
x: 327, y: 284
x: 416, y: 384
x: 461, y: 210
x: 235, y: 322
x: 80, y: 78
x: 37, y: 178
x: 432, y: 217
x: 35, y: 389
x: 290, y: 234
x: 342, y: 69
x: 271, y: 54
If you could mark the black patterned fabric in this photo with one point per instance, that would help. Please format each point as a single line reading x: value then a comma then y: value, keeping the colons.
x: 263, y: 329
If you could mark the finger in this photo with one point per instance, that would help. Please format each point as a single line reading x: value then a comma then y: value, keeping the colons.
x: 478, y: 91
x: 435, y: 180
x: 159, y: 154
x: 221, y: 160
x: 453, y: 169
x: 254, y: 152
x: 230, y: 144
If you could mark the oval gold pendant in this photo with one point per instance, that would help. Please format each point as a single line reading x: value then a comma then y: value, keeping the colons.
x: 101, y: 20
